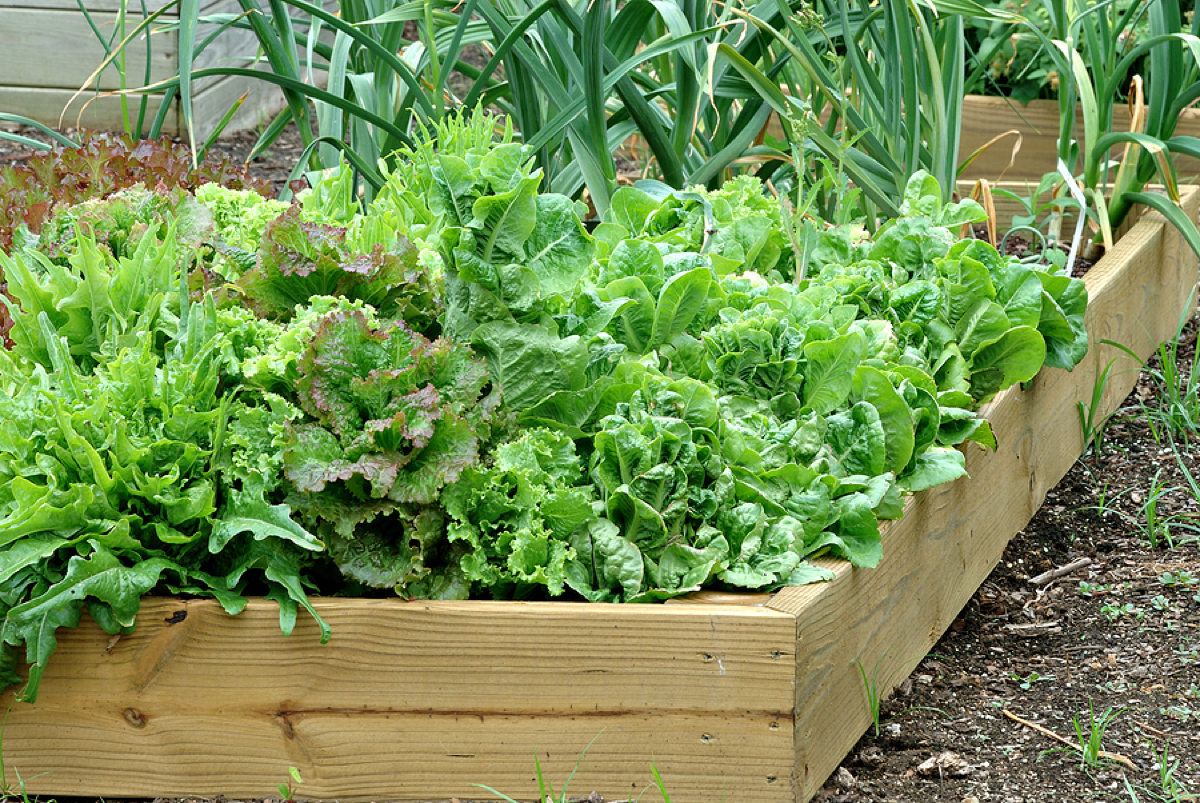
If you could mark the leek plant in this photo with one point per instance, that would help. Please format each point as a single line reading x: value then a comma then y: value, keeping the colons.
x: 865, y: 101
x: 1100, y: 29
x: 579, y: 78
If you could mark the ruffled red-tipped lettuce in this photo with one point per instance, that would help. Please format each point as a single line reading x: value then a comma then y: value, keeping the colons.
x: 395, y: 418
x: 299, y: 259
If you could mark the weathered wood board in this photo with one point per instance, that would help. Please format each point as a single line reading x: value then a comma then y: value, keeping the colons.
x: 48, y: 52
x: 739, y: 698
x: 985, y: 117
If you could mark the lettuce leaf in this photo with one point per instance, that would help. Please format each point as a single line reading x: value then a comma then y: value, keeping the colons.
x: 300, y: 258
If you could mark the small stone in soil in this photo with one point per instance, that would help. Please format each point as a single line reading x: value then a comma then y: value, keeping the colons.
x: 947, y: 763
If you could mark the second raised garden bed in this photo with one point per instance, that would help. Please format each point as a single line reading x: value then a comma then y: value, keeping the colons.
x: 738, y: 698
x: 983, y: 118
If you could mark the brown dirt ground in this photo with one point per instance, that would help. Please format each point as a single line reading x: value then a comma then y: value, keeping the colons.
x: 1117, y: 638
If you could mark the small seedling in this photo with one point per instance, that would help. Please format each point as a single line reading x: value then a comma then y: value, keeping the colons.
x: 1026, y: 683
x: 1112, y: 611
x: 1091, y: 734
x: 662, y: 787
x: 1160, y: 603
x: 1180, y: 578
x: 1171, y: 789
x: 1156, y: 528
x: 1087, y: 589
x: 872, y: 689
x: 287, y: 791
x: 545, y: 788
x: 1092, y: 421
x: 1180, y: 712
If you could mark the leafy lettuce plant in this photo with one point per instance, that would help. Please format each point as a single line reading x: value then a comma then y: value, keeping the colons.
x: 516, y: 516
x: 391, y: 420
x: 301, y: 258
x: 95, y: 167
x: 148, y: 474
x: 119, y: 221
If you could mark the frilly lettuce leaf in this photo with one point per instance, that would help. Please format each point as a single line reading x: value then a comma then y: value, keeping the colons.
x: 240, y: 215
x: 516, y: 516
x: 299, y: 259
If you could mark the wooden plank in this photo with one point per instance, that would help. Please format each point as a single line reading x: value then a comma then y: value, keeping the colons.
x: 134, y: 6
x: 41, y: 88
x: 469, y: 690
x: 951, y: 537
x: 985, y: 117
x: 27, y: 35
x: 720, y: 598
x: 420, y: 757
x: 104, y: 112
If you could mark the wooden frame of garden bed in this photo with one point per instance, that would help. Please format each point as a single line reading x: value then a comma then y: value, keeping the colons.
x: 983, y: 117
x: 731, y: 697
x: 47, y: 52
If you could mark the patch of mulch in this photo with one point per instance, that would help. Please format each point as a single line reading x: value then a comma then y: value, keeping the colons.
x: 1118, y: 635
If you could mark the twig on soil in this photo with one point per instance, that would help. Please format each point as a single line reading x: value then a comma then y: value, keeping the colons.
x: 1054, y: 574
x: 1104, y: 754
x: 1166, y: 734
x: 1150, y: 728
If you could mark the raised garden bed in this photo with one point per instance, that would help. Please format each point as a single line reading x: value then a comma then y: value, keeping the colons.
x: 41, y: 88
x: 985, y: 117
x: 730, y: 697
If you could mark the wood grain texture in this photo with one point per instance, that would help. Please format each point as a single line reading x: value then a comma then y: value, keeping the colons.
x: 413, y: 701
x: 985, y: 117
x: 104, y: 113
x: 101, y: 114
x: 50, y: 49
x: 951, y: 537
x: 47, y: 52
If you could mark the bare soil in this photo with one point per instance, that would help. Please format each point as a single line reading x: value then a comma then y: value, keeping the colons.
x: 1115, y: 639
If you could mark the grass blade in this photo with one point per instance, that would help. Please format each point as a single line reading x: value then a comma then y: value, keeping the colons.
x: 62, y: 139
